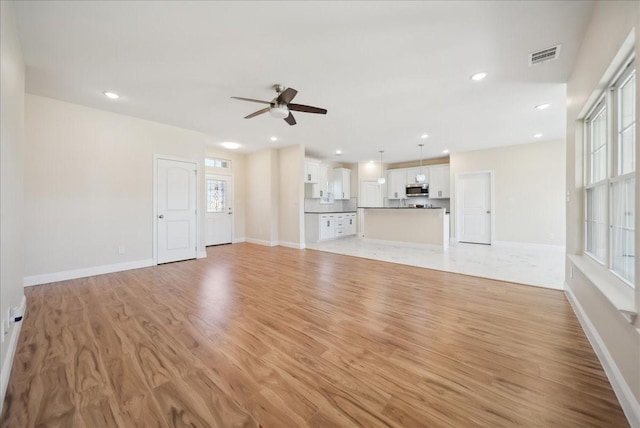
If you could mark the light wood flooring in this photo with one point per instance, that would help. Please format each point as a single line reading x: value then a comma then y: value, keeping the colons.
x: 278, y: 337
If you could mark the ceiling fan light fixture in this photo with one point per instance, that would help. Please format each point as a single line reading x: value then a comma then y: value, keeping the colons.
x: 279, y: 111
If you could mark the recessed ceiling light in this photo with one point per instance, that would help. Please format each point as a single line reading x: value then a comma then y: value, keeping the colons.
x: 111, y: 95
x: 424, y: 136
x: 543, y: 106
x: 478, y: 76
x: 338, y: 152
x: 371, y: 161
x: 274, y: 138
x: 230, y: 145
x: 538, y: 135
x: 445, y: 151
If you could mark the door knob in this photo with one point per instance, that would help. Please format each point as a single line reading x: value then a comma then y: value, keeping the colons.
x: 161, y: 216
x: 488, y: 212
x: 230, y: 213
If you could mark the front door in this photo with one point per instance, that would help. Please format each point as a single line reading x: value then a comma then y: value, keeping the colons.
x: 176, y: 210
x: 219, y: 217
x: 474, y: 208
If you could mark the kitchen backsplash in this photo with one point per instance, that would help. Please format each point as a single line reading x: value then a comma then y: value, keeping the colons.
x: 417, y: 200
x: 314, y: 205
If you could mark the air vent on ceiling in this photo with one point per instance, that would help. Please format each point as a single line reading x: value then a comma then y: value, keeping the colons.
x: 544, y: 55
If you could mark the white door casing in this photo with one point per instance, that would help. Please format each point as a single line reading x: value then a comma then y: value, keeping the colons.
x: 474, y: 207
x: 176, y: 210
x: 219, y: 211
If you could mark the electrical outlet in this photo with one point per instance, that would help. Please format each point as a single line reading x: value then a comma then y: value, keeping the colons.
x: 121, y: 249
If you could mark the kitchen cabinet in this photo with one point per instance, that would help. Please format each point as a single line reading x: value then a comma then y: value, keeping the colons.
x: 350, y: 224
x: 311, y: 171
x: 325, y: 226
x: 396, y: 183
x: 341, y: 183
x: 439, y: 183
x: 412, y: 172
x: 321, y: 188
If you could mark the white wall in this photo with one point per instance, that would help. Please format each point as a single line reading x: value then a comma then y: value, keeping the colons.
x: 89, y: 186
x: 291, y: 196
x: 237, y: 171
x: 261, y: 182
x: 11, y: 184
x: 615, y: 339
x: 529, y: 191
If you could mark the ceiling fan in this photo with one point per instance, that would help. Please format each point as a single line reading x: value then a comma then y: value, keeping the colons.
x: 281, y: 107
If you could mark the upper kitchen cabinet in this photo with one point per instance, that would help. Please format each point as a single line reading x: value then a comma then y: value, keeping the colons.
x: 412, y: 172
x: 321, y: 188
x: 311, y: 171
x: 396, y: 183
x: 341, y: 183
x: 439, y: 182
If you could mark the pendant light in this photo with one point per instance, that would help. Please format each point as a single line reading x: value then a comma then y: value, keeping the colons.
x: 420, y: 178
x: 381, y: 180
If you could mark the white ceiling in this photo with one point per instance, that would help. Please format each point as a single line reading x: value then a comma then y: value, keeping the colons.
x: 386, y: 71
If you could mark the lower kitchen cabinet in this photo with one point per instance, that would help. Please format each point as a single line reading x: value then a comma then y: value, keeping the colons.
x: 325, y: 226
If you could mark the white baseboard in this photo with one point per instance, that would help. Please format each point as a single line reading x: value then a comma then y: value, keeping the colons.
x: 529, y: 246
x: 14, y: 334
x: 628, y: 402
x: 296, y: 245
x: 238, y: 240
x: 202, y: 254
x: 261, y: 242
x: 85, y: 272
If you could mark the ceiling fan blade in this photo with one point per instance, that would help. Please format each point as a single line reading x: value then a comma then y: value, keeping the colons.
x: 290, y: 120
x: 307, y: 109
x: 252, y: 100
x: 286, y: 96
x: 256, y: 113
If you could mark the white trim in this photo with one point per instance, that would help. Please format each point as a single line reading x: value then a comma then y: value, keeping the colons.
x: 202, y: 254
x: 261, y: 242
x: 628, y: 402
x: 295, y: 245
x: 530, y: 246
x: 199, y: 180
x: 5, y: 372
x: 85, y: 272
x: 613, y: 289
x: 238, y: 240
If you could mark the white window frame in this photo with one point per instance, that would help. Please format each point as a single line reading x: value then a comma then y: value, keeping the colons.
x: 610, y: 103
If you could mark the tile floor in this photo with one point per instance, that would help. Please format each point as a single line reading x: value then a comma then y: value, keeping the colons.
x: 542, y: 267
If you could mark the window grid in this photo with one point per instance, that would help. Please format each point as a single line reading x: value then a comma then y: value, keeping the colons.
x: 610, y: 178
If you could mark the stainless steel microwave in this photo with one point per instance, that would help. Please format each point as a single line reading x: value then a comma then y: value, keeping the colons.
x: 417, y: 190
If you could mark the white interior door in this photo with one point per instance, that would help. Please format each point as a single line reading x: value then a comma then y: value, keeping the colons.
x: 176, y: 210
x: 219, y: 217
x: 474, y: 208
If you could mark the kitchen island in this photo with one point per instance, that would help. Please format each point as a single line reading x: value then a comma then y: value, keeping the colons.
x: 413, y: 225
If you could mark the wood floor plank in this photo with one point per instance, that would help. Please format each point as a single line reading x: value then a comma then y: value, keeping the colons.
x: 278, y: 337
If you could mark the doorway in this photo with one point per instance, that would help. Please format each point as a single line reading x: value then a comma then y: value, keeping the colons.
x: 474, y: 218
x: 219, y: 214
x: 176, y: 223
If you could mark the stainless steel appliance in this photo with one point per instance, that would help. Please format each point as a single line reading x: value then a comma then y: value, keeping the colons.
x: 421, y: 189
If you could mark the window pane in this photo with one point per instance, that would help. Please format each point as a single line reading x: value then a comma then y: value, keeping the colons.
x: 627, y: 150
x: 596, y: 225
x: 626, y: 137
x: 216, y: 195
x: 628, y: 102
x: 598, y: 146
x: 623, y: 225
